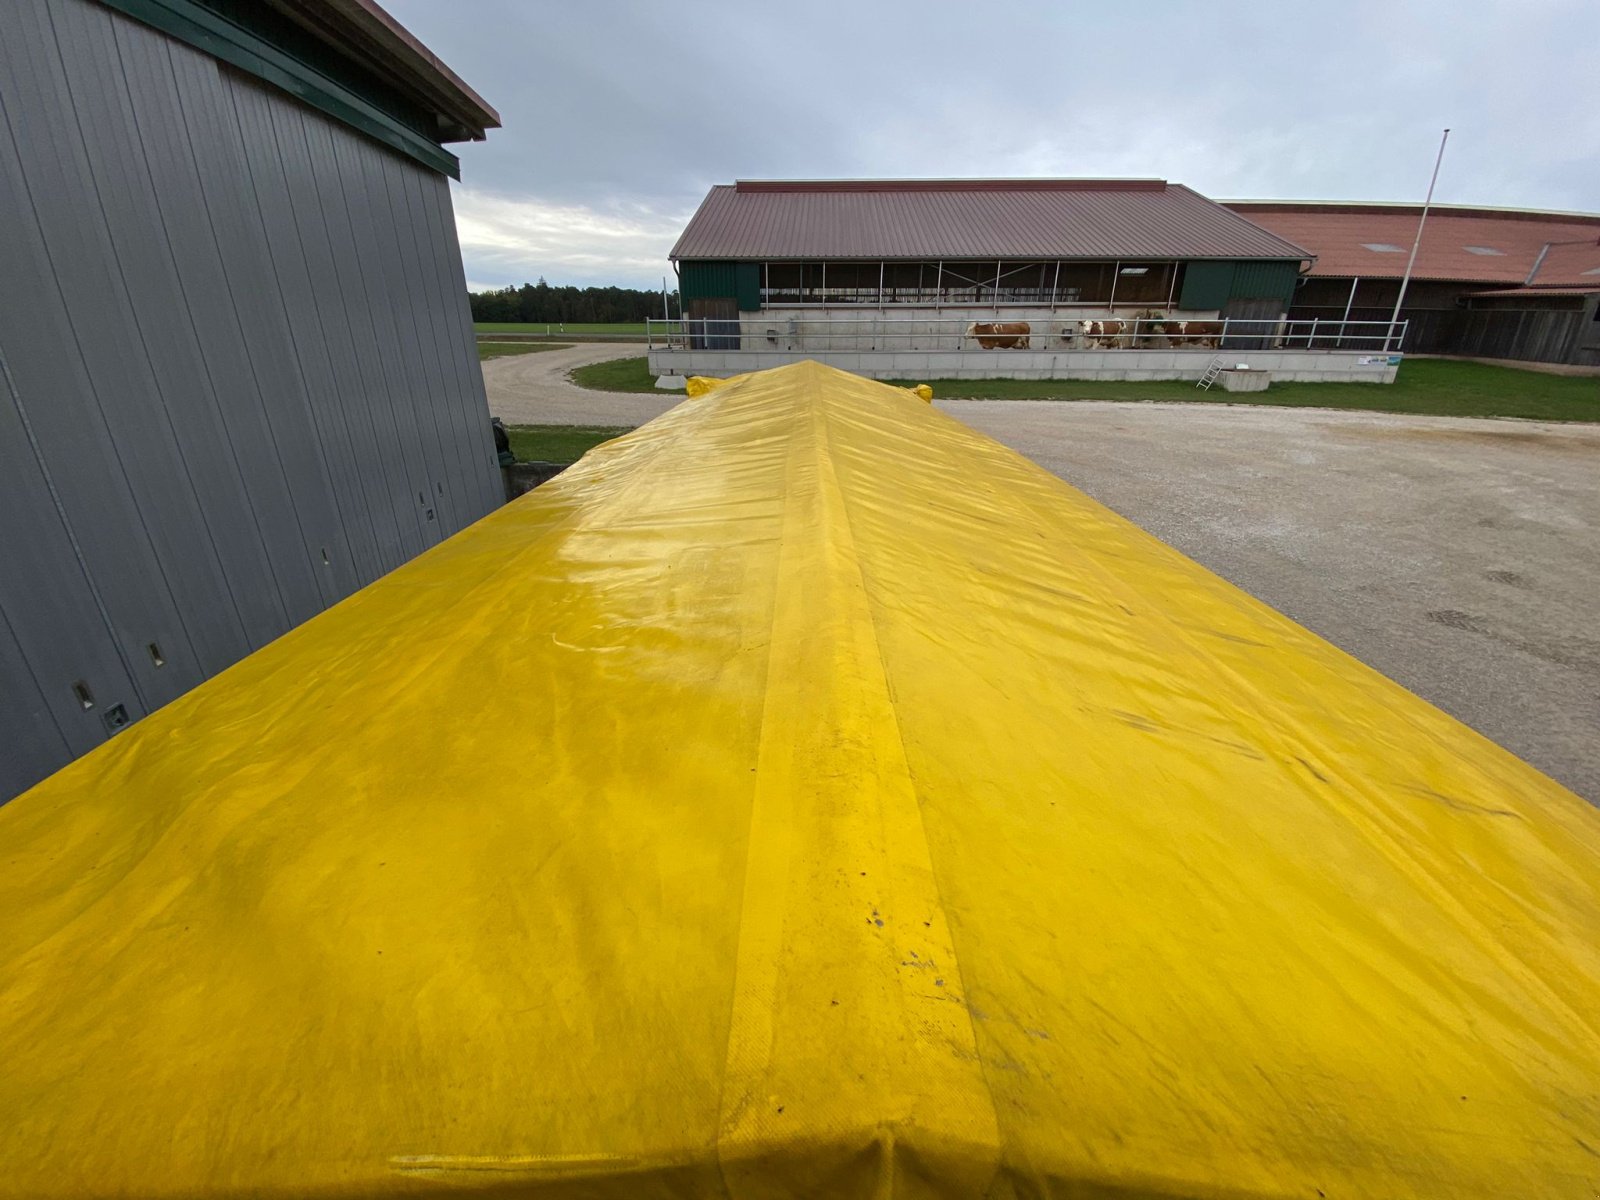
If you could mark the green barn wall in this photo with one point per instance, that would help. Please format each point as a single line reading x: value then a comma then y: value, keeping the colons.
x: 1208, y: 285
x: 740, y: 281
x: 1205, y: 285
x: 1264, y: 281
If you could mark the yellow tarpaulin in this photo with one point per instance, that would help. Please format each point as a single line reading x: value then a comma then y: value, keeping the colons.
x: 801, y: 796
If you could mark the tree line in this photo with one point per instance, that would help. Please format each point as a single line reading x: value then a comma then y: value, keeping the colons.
x: 539, y: 303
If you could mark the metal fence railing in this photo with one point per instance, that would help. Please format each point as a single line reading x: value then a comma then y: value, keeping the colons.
x: 842, y: 333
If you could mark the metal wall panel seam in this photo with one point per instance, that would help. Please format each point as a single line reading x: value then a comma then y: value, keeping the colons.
x: 353, y: 387
x: 149, y: 601
x: 328, y: 185
x: 464, y: 502
x: 459, y: 310
x: 360, y: 529
x: 428, y: 380
x: 401, y: 357
x: 25, y: 759
x: 274, y: 401
x: 446, y: 329
x: 175, y: 204
x: 345, y: 578
x: 215, y: 657
x: 398, y: 417
x: 427, y: 350
x: 483, y: 483
x: 84, y: 580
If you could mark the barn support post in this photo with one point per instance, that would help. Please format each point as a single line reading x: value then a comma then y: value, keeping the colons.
x: 938, y: 288
x: 880, y: 286
x: 999, y: 263
x: 1354, y: 283
x: 1055, y: 286
x: 1405, y: 280
x: 1172, y: 284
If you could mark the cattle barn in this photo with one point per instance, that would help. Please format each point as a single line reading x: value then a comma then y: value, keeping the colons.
x: 1512, y: 283
x: 995, y: 278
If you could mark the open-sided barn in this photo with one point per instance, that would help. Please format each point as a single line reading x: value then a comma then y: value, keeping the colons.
x: 879, y: 275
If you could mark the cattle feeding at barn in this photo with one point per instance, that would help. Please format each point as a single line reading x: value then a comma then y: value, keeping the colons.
x: 1000, y: 335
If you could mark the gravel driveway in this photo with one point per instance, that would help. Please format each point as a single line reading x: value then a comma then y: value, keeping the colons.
x: 533, y: 389
x: 1460, y: 557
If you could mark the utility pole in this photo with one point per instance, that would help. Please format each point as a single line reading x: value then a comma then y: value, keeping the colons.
x: 1405, y: 280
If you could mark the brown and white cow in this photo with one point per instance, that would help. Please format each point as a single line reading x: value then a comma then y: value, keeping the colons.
x: 1194, y: 333
x: 1109, y: 335
x: 1001, y: 335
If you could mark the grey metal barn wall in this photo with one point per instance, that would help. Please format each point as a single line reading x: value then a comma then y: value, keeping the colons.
x: 238, y: 380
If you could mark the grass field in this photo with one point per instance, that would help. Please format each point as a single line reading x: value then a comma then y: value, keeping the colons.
x: 1430, y: 386
x: 618, y: 375
x: 559, y: 443
x: 501, y: 349
x: 554, y: 328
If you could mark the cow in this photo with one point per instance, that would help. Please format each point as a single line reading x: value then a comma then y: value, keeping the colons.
x: 1195, y: 333
x: 1109, y: 335
x: 1001, y: 335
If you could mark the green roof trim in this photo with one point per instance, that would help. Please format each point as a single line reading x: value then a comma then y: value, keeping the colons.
x: 294, y: 62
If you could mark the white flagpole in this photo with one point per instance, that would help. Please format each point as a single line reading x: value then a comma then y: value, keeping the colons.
x: 1405, y: 280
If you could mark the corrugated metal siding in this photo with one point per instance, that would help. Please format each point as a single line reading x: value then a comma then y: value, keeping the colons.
x: 1173, y: 222
x: 1206, y: 285
x: 748, y: 286
x: 708, y: 281
x: 239, y: 376
x: 1263, y: 281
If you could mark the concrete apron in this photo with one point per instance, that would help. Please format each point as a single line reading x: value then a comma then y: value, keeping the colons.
x: 1312, y: 366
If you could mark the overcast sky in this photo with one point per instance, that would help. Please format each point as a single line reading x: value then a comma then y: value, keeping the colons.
x: 619, y: 116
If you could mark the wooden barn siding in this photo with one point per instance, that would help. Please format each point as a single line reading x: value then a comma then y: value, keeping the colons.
x: 1532, y: 335
x: 234, y: 337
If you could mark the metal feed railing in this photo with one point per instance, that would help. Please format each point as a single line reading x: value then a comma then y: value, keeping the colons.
x: 837, y: 333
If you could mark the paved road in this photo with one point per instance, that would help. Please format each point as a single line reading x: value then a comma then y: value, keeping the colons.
x: 1460, y: 557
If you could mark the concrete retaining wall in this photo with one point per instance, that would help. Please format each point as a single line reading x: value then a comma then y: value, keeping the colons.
x: 811, y: 330
x: 1313, y: 366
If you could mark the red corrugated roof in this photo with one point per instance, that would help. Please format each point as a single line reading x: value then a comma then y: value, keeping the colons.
x: 964, y: 218
x: 1341, y: 236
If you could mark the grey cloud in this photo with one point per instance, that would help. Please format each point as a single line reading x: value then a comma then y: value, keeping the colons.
x: 629, y: 111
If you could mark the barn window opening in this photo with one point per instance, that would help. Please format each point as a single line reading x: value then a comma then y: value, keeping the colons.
x: 849, y: 283
x: 1041, y: 282
x: 1144, y: 283
x: 1084, y: 283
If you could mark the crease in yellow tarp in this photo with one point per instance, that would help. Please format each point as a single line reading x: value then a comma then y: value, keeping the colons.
x: 557, y: 859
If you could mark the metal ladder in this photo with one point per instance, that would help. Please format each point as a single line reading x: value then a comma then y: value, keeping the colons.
x: 1213, y: 369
